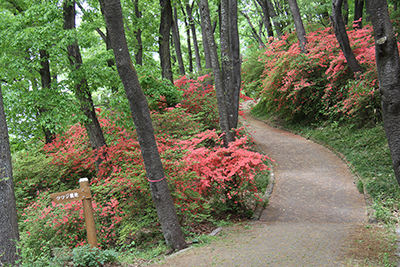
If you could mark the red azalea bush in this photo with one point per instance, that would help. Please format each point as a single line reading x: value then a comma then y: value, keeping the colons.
x: 204, y: 177
x: 318, y: 85
x: 199, y: 99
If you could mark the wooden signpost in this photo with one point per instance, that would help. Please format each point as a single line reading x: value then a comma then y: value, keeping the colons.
x: 84, y: 194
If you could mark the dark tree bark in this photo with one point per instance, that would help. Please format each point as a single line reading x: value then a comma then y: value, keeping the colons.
x: 345, y: 12
x: 219, y: 86
x: 266, y: 18
x: 388, y: 65
x: 46, y: 81
x: 189, y: 10
x: 272, y: 13
x: 236, y: 61
x: 226, y: 61
x: 8, y: 212
x: 190, y: 55
x: 138, y: 34
x: 141, y: 116
x: 342, y: 37
x: 358, y: 13
x: 298, y: 22
x: 177, y: 42
x: 164, y: 48
x: 253, y: 30
x: 206, y: 46
x: 82, y: 91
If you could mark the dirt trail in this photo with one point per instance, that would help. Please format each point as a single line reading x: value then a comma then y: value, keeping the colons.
x: 313, y: 210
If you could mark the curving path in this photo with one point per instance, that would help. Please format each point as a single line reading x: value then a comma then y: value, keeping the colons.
x: 313, y: 209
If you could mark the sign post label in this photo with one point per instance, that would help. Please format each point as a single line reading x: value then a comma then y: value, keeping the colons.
x: 72, y: 195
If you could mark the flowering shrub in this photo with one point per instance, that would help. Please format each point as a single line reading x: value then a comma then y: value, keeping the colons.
x: 199, y: 99
x: 318, y: 85
x: 43, y: 225
x: 203, y: 176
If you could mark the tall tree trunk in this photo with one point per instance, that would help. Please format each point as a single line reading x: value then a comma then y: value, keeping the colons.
x: 236, y: 61
x: 9, y: 234
x: 358, y: 13
x: 189, y: 11
x: 219, y: 86
x: 388, y: 65
x: 190, y: 55
x: 226, y: 61
x: 46, y: 81
x: 141, y: 116
x: 177, y: 42
x: 206, y: 46
x: 138, y: 35
x: 272, y: 13
x: 82, y: 91
x: 298, y: 22
x: 345, y: 12
x: 164, y: 48
x: 253, y: 30
x: 342, y: 37
x: 266, y: 18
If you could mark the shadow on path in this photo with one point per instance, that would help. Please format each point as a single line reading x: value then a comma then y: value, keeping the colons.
x: 313, y: 209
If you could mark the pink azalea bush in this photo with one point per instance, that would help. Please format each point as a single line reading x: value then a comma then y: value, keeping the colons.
x: 205, y: 177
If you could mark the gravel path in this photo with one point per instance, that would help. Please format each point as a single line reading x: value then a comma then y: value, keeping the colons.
x: 312, y: 211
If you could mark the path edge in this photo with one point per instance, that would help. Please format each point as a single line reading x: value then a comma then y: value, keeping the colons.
x: 368, y: 199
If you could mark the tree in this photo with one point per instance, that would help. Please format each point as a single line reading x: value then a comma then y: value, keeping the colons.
x: 358, y: 13
x: 82, y: 91
x: 266, y: 18
x: 388, y: 65
x: 218, y: 79
x: 141, y: 116
x: 298, y: 22
x: 189, y: 11
x: 177, y: 42
x: 138, y: 34
x: 164, y: 48
x: 236, y: 62
x: 342, y: 37
x: 8, y: 213
x: 253, y: 30
x: 46, y: 81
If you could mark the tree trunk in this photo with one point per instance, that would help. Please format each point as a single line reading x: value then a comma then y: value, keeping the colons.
x: 206, y: 46
x: 82, y: 91
x: 9, y: 234
x: 236, y: 61
x: 266, y: 18
x: 141, y: 116
x: 177, y: 42
x: 164, y: 48
x: 46, y: 81
x: 345, y: 12
x: 358, y: 13
x: 226, y: 61
x: 190, y: 55
x: 342, y: 37
x: 272, y: 13
x: 195, y: 44
x: 138, y: 34
x: 219, y: 86
x: 388, y: 65
x: 298, y: 22
x: 253, y: 30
